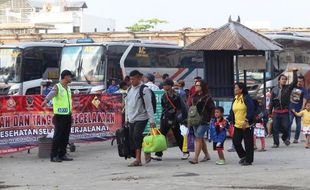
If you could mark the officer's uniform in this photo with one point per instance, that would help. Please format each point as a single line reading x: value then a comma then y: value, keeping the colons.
x: 62, y: 107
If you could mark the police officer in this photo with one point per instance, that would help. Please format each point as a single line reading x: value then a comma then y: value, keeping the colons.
x: 62, y: 107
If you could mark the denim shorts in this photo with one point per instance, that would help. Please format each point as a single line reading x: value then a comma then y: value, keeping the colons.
x: 200, y: 130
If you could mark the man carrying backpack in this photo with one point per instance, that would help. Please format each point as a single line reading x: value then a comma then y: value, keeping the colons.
x: 172, y: 115
x: 138, y: 111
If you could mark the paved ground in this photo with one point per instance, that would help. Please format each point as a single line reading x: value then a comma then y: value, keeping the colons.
x: 97, y: 166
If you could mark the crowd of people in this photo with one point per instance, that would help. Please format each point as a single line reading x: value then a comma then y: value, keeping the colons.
x: 246, y: 122
x: 247, y: 119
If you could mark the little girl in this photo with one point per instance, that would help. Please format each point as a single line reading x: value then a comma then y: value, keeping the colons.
x: 305, y: 114
x: 218, y: 128
x: 259, y: 128
x: 259, y: 132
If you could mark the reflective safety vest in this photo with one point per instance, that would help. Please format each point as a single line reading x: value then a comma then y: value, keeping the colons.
x: 62, y: 103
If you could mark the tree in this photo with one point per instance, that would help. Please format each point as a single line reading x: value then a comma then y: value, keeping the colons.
x: 145, y: 25
x: 139, y: 27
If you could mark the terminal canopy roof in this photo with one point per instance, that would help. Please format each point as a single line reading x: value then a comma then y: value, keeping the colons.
x: 234, y: 36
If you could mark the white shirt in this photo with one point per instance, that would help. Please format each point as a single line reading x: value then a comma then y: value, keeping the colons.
x: 152, y: 86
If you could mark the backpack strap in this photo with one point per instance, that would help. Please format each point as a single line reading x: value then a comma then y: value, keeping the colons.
x: 171, y: 102
x: 141, y: 94
x: 204, y: 105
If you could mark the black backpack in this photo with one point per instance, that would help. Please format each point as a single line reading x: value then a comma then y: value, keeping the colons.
x: 123, y: 143
x: 141, y: 94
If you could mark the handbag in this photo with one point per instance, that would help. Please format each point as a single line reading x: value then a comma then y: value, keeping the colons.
x: 154, y: 142
x: 194, y: 118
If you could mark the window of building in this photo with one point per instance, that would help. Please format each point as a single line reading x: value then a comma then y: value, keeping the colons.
x: 76, y: 29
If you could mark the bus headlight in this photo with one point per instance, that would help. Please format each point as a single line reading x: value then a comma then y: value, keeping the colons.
x: 13, y: 91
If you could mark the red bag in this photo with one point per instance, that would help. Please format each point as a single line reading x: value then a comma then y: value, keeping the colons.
x: 231, y: 130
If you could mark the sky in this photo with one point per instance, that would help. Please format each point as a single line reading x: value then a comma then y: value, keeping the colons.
x: 273, y: 14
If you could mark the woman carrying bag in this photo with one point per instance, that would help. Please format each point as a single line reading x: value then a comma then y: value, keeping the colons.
x: 241, y: 115
x: 199, y: 116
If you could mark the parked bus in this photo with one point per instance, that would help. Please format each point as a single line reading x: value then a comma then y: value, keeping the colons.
x: 94, y: 64
x: 23, y: 66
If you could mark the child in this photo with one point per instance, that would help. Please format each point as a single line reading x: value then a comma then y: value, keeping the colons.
x: 218, y: 128
x: 305, y: 114
x: 259, y: 129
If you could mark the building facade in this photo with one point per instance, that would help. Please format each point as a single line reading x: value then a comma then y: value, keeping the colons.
x: 58, y: 16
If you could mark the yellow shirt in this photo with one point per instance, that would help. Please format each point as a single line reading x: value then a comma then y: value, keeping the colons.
x: 240, y: 111
x: 305, y: 117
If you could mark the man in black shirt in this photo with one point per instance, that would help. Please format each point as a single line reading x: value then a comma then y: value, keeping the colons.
x: 171, y: 104
x: 279, y: 108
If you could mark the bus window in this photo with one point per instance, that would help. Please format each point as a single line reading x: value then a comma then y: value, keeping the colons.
x: 10, y: 63
x: 34, y: 90
x: 37, y: 60
x: 152, y: 57
x: 85, y: 62
x: 115, y: 53
x: 163, y: 58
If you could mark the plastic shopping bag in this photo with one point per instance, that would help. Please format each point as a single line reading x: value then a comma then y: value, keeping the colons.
x: 191, y: 141
x: 184, y: 147
x: 184, y: 130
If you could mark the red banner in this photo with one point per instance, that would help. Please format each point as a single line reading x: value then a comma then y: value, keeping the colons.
x: 95, y: 117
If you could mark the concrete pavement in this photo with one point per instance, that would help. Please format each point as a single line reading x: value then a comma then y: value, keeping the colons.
x: 97, y: 166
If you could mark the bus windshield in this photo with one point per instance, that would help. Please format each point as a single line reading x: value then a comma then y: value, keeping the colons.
x: 87, y: 63
x: 10, y: 67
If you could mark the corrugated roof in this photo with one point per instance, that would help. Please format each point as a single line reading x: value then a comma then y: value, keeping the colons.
x: 234, y: 37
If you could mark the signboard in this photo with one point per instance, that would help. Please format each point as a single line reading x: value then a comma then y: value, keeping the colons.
x: 95, y: 117
x: 159, y: 110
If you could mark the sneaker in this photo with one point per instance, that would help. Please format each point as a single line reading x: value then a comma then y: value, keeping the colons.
x: 157, y: 158
x: 246, y: 163
x: 56, y: 159
x: 231, y: 150
x: 220, y: 162
x: 295, y: 141
x: 275, y: 146
x: 242, y: 160
x: 287, y: 142
x: 185, y: 156
x: 262, y: 150
x: 66, y: 158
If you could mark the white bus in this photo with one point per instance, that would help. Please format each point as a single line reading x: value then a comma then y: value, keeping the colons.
x: 94, y: 64
x: 23, y: 66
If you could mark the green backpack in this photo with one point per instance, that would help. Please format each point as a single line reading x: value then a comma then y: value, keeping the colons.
x: 194, y: 118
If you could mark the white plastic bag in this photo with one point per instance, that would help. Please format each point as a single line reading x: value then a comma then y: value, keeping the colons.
x: 184, y: 130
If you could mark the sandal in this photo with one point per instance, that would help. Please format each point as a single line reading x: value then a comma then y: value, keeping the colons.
x: 205, y: 159
x: 135, y: 164
x: 148, y: 158
x: 193, y: 162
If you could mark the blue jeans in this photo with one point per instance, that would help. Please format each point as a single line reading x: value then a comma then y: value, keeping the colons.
x: 298, y: 126
x: 280, y: 123
x: 200, y: 130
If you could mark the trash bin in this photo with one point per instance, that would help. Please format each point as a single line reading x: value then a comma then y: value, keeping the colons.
x: 45, y: 147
